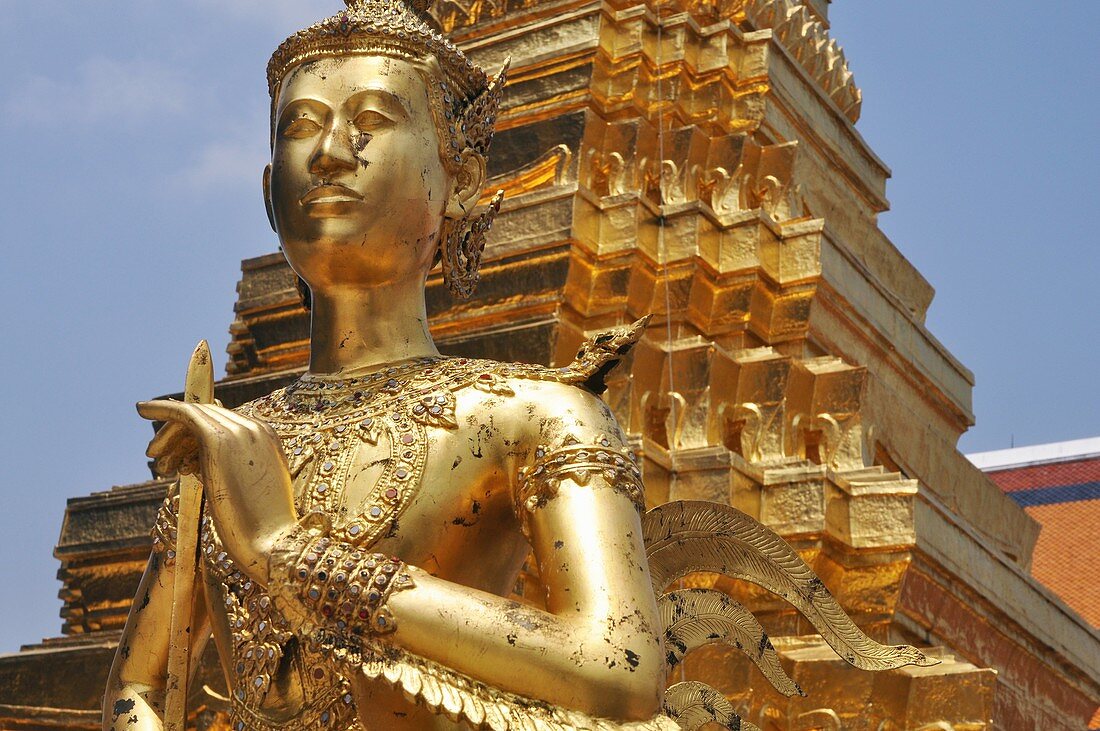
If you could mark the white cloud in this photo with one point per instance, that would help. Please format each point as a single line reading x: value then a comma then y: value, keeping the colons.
x: 224, y: 164
x: 100, y: 89
x: 232, y: 155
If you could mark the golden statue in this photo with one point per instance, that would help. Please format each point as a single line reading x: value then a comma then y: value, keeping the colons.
x: 363, y: 528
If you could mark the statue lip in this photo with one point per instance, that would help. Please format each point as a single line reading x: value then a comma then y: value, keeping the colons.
x: 330, y: 193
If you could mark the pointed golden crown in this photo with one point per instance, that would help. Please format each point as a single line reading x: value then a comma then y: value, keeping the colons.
x: 404, y: 29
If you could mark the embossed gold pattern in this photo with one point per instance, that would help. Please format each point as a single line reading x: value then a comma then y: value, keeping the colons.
x: 340, y: 589
x: 384, y: 27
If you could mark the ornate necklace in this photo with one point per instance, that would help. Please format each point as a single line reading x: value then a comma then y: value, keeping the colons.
x: 323, y: 420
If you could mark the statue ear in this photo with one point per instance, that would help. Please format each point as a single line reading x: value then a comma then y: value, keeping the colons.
x: 468, y: 181
x: 267, y: 197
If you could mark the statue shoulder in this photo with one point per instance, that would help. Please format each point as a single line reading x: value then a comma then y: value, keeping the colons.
x: 568, y: 433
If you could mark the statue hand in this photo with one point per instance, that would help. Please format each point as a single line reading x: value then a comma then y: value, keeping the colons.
x: 244, y: 473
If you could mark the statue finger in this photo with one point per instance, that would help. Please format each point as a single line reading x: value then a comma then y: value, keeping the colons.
x: 189, y: 466
x: 167, y: 462
x: 191, y: 416
x: 166, y: 410
x: 187, y: 448
x: 225, y: 416
x: 181, y: 438
x: 164, y: 439
x: 222, y: 419
x: 166, y: 466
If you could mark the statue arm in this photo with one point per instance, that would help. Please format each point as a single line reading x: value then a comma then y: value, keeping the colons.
x: 134, y: 699
x: 595, y: 648
x: 578, y: 496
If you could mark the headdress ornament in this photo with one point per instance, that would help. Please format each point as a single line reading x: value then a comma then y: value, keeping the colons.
x: 402, y: 28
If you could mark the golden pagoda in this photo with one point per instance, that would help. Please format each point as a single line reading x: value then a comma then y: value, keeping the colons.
x: 699, y: 162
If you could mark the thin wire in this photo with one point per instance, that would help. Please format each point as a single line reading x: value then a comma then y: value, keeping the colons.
x: 662, y: 246
x: 662, y: 251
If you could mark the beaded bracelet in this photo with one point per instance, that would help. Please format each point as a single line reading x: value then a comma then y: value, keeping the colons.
x: 340, y: 587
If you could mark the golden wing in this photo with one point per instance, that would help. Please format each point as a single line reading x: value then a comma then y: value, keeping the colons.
x: 693, y: 705
x: 696, y: 617
x: 694, y: 535
x: 688, y: 536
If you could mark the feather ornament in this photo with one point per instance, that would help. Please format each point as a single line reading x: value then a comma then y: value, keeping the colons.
x: 694, y: 535
x: 696, y: 617
x: 693, y: 705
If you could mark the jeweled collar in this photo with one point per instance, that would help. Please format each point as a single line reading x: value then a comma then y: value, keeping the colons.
x: 317, y: 392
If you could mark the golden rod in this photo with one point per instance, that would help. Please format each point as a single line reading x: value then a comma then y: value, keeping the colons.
x: 199, y: 388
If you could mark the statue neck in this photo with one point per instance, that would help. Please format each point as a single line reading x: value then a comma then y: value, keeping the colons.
x: 355, y: 330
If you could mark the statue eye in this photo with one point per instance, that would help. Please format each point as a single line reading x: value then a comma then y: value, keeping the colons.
x: 300, y: 128
x: 369, y: 119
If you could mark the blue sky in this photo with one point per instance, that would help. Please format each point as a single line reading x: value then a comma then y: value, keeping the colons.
x: 134, y: 131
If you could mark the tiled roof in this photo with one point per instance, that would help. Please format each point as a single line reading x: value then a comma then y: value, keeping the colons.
x: 1053, y: 474
x: 1067, y: 554
x: 1064, y: 497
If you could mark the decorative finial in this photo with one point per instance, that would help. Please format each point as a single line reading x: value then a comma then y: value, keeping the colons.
x: 420, y: 6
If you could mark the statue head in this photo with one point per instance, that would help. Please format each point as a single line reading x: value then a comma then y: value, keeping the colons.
x: 380, y: 128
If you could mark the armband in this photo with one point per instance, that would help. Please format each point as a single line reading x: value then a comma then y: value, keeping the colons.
x: 539, y: 482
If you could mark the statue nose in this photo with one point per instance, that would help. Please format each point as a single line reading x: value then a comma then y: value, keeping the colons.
x: 326, y: 165
x: 333, y: 155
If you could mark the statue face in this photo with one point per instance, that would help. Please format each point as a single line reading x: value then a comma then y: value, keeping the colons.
x: 357, y: 190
